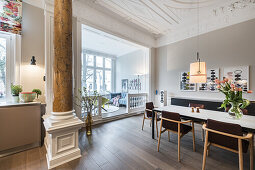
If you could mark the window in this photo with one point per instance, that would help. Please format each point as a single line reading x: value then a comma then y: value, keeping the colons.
x: 97, y: 73
x: 4, y: 66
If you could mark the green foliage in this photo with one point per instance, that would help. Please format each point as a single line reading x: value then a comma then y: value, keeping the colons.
x: 233, y: 95
x: 16, y: 89
x: 87, y: 100
x: 37, y: 91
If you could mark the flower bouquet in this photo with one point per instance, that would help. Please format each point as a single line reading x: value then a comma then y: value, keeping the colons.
x: 234, y: 97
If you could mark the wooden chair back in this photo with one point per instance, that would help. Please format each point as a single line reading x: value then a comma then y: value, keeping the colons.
x: 223, y: 140
x: 169, y: 120
x: 149, y: 108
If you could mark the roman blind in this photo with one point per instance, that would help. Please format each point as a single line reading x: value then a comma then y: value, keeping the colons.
x: 11, y: 16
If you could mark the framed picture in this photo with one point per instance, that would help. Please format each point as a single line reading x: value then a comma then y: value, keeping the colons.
x: 239, y: 75
x: 210, y: 85
x: 124, y: 85
x: 184, y: 82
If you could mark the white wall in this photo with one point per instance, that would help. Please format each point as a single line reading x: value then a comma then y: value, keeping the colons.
x: 32, y: 44
x: 129, y: 66
x: 231, y: 46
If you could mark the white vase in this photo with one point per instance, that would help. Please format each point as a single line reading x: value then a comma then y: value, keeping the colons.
x: 15, y: 99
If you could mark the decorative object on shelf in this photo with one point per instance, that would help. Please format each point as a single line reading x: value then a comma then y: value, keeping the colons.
x: 87, y: 101
x: 185, y: 84
x: 38, y: 92
x: 11, y: 16
x: 234, y: 97
x: 124, y: 85
x: 136, y: 83
x: 33, y: 61
x: 210, y: 84
x: 15, y: 90
x: 27, y: 96
x: 239, y: 75
x: 198, y: 69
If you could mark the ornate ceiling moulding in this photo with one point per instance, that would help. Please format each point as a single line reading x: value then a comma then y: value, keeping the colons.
x: 234, y: 6
x: 188, y: 4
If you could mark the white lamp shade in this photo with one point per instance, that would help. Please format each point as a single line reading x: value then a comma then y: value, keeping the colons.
x: 198, y: 72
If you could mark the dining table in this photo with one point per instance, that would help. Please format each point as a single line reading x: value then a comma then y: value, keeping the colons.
x: 247, y: 122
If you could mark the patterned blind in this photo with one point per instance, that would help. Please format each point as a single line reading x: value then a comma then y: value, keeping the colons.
x: 11, y: 16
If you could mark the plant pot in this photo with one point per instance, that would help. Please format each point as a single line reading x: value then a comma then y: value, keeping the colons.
x: 88, y: 123
x: 15, y: 99
x: 27, y: 96
x: 235, y: 112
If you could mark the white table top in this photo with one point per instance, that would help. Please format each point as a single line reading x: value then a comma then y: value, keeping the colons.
x: 246, y: 121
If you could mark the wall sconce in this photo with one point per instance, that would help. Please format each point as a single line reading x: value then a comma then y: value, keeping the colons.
x: 33, y: 61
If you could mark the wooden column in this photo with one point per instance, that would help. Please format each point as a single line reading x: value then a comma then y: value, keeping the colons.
x: 63, y: 87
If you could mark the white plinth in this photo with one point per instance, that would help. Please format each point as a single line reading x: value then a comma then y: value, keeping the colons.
x: 62, y: 138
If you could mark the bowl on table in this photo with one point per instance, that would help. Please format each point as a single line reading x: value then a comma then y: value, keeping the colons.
x: 27, y: 96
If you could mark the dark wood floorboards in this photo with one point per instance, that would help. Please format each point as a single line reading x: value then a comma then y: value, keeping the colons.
x: 123, y: 145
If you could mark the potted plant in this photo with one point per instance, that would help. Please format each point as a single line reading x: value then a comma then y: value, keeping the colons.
x: 234, y: 97
x: 38, y: 92
x: 15, y: 90
x: 87, y: 101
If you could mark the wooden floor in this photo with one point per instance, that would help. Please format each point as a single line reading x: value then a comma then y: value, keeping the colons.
x: 123, y: 145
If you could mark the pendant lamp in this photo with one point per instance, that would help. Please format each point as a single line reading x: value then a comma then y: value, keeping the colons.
x: 198, y: 69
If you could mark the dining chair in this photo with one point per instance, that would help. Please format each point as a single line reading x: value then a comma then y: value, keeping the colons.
x: 171, y: 122
x: 148, y: 115
x: 201, y: 106
x: 227, y: 136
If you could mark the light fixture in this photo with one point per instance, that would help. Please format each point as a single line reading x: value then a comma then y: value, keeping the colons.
x: 198, y: 69
x: 33, y: 61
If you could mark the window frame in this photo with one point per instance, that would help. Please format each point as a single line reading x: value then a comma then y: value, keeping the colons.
x: 8, y: 61
x: 95, y: 68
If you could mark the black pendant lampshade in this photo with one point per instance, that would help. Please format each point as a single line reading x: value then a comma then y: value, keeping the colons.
x: 33, y: 61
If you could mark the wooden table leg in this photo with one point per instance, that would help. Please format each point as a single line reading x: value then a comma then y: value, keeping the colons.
x: 152, y: 127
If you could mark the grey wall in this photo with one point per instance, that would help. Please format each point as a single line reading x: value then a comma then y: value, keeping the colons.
x: 129, y: 66
x: 231, y: 46
x: 32, y: 45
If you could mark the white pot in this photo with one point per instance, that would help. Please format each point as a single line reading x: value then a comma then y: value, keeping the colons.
x: 15, y: 99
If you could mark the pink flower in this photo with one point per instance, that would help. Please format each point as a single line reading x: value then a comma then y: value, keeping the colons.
x: 222, y: 81
x: 232, y: 89
x: 217, y: 81
x: 226, y: 80
x: 249, y: 91
x: 218, y: 86
x: 240, y: 89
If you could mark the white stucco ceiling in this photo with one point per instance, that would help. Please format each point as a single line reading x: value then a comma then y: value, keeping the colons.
x: 167, y: 21
x: 96, y: 40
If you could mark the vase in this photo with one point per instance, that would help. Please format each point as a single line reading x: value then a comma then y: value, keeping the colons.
x: 88, y: 123
x: 15, y: 99
x: 235, y: 111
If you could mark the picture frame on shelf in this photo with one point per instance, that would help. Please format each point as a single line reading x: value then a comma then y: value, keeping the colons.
x: 184, y: 82
x: 239, y: 75
x: 210, y: 85
x: 124, y: 85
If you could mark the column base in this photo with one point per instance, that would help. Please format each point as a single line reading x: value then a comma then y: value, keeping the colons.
x: 62, y: 140
x: 57, y: 161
